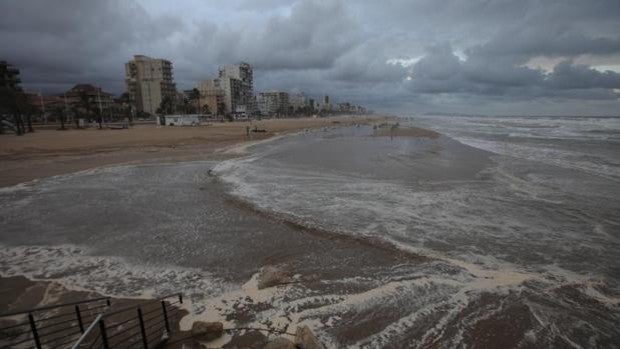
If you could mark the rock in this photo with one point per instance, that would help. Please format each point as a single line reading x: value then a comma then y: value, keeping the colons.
x: 280, y: 343
x: 193, y: 345
x: 272, y: 276
x: 207, y: 331
x: 305, y: 339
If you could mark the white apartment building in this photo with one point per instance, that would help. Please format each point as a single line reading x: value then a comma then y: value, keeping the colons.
x: 237, y: 83
x: 298, y: 100
x: 273, y: 103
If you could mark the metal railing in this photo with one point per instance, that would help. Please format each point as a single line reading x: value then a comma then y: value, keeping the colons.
x: 54, y: 326
x: 145, y: 325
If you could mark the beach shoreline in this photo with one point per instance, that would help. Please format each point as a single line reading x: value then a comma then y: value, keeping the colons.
x: 239, y: 211
x: 309, y: 257
x: 48, y: 153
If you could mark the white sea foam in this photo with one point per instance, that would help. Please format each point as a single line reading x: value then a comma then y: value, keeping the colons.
x: 473, y: 230
x: 73, y: 267
x: 547, y: 140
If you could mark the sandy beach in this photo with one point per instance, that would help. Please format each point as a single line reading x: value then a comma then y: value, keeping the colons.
x: 50, y: 152
x: 368, y: 235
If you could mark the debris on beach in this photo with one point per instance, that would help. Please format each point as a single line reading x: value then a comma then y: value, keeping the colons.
x: 280, y: 343
x: 207, y: 331
x: 304, y: 339
x: 271, y: 276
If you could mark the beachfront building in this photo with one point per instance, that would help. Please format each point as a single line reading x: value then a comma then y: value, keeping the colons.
x: 273, y: 103
x: 149, y: 81
x: 326, y: 106
x: 88, y: 101
x: 211, y: 97
x: 298, y: 100
x: 237, y: 83
x: 9, y: 76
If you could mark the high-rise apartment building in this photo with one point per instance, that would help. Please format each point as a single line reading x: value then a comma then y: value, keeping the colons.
x: 298, y: 100
x: 273, y: 103
x: 237, y: 82
x: 212, y: 96
x: 9, y: 76
x: 148, y: 81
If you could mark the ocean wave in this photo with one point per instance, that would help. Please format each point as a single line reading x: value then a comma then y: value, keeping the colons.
x: 77, y: 268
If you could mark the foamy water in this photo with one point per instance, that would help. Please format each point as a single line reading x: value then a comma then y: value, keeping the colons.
x: 535, y: 214
x: 521, y: 251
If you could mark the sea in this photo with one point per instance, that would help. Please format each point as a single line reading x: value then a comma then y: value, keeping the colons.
x: 498, y: 232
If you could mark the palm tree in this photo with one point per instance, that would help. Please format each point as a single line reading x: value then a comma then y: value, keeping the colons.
x: 85, y: 104
x: 194, y: 97
x: 75, y: 111
x: 166, y: 106
x: 24, y: 108
x: 9, y: 104
x: 59, y: 113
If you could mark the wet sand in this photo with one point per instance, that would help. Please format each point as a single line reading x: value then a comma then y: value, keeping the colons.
x: 18, y: 293
x: 357, y: 290
x: 335, y: 276
x: 406, y: 132
x: 49, y: 152
x: 21, y: 294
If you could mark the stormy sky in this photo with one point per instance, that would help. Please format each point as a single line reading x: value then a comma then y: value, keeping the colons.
x: 505, y: 57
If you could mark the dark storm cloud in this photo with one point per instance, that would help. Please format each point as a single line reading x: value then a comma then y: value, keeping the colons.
x: 548, y: 41
x: 312, y: 36
x: 419, y: 55
x: 566, y: 75
x: 61, y: 43
x: 441, y: 71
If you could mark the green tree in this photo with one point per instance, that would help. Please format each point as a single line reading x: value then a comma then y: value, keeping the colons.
x: 84, y: 103
x: 59, y: 113
x: 194, y: 98
x: 166, y: 107
x: 25, y: 109
x: 12, y: 102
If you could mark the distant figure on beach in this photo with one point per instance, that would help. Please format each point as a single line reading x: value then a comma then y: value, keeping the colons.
x: 247, y: 131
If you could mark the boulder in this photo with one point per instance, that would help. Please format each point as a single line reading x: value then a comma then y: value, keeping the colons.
x: 305, y: 339
x: 280, y: 343
x: 207, y: 331
x: 270, y: 276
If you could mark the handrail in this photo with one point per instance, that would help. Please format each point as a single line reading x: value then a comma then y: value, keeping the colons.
x: 56, y: 325
x: 47, y: 326
x: 48, y: 307
x: 87, y: 332
x: 149, y: 331
x: 129, y: 307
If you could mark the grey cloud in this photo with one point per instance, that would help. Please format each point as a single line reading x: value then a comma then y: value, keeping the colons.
x: 333, y: 47
x: 568, y: 76
x: 368, y: 63
x: 313, y: 36
x: 547, y: 41
x: 441, y: 71
x: 76, y: 41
